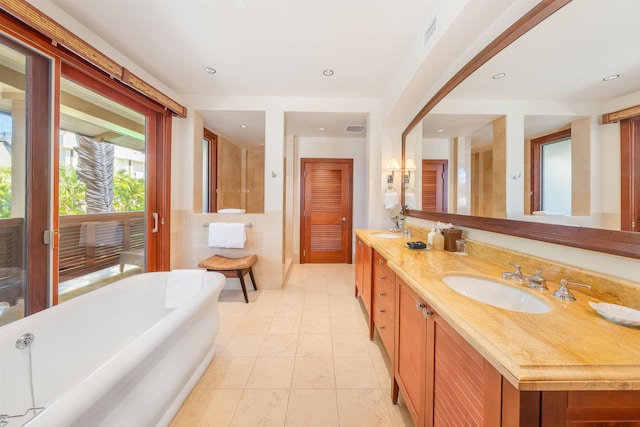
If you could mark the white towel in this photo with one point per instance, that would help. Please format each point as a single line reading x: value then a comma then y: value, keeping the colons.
x: 224, y: 235
x: 182, y: 285
x: 391, y: 199
x: 230, y: 210
x: 548, y: 213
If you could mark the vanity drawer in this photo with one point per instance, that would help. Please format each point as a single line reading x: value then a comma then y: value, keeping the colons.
x: 383, y: 322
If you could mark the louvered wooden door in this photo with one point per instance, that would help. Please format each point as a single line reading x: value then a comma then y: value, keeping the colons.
x: 325, y: 224
x: 434, y: 185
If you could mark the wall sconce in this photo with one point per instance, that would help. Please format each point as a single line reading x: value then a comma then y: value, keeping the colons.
x: 392, y: 167
x: 409, y: 166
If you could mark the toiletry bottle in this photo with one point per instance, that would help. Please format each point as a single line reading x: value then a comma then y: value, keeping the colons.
x: 430, y: 236
x: 438, y: 241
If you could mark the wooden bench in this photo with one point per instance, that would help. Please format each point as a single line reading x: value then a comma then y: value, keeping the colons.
x: 232, y: 267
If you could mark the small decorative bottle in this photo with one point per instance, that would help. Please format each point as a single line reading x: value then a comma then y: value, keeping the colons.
x: 438, y: 241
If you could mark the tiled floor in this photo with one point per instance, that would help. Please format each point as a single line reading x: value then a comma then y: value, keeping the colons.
x: 299, y: 356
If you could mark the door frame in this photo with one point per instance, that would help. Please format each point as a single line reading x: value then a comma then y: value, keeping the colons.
x: 303, y: 163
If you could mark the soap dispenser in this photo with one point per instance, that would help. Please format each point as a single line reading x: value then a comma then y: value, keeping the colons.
x: 438, y: 241
x: 430, y: 236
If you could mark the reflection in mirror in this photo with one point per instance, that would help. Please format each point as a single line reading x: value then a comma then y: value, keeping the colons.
x: 496, y: 129
x: 232, y: 161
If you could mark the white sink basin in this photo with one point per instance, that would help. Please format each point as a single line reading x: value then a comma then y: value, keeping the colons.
x: 387, y: 235
x: 496, y: 294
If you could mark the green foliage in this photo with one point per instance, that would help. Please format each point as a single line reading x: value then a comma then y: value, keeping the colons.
x: 128, y: 192
x: 72, y: 192
x: 5, y: 192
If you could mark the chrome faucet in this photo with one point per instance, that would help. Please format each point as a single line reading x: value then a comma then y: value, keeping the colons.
x: 515, y: 275
x: 563, y: 292
x: 535, y: 282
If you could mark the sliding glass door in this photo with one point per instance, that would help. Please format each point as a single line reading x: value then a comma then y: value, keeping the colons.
x: 101, y: 193
x: 24, y: 180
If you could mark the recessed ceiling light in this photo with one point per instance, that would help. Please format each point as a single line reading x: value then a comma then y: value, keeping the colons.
x: 328, y: 72
x: 243, y: 126
x: 499, y: 76
x: 611, y: 77
x: 210, y: 70
x: 322, y: 129
x: 440, y: 130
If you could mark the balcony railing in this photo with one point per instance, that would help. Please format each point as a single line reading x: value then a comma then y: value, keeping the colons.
x: 91, y: 242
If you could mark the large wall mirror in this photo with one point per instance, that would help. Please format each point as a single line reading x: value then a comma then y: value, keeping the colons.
x: 232, y: 162
x: 518, y: 141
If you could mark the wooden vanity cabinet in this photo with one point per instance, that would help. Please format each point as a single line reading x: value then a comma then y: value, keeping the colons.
x: 363, y: 276
x: 443, y: 380
x: 410, y: 368
x: 383, y: 296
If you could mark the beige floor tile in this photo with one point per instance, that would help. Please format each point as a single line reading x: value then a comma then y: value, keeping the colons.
x: 314, y: 346
x: 229, y: 324
x: 351, y: 345
x: 365, y: 407
x: 271, y: 373
x: 243, y: 346
x: 355, y: 372
x: 313, y: 373
x: 227, y: 373
x: 312, y: 408
x: 354, y: 324
x: 208, y: 408
x: 315, y: 325
x: 290, y: 310
x: 279, y: 346
x: 316, y: 309
x: 254, y: 325
x: 259, y: 349
x: 263, y: 408
x: 285, y: 325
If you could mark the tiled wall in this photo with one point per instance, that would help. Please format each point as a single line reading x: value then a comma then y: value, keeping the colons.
x: 264, y: 239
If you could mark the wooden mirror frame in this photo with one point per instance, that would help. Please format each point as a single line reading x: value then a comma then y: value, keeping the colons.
x: 614, y: 242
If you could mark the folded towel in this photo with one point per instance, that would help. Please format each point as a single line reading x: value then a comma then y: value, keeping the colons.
x: 182, y: 285
x: 224, y: 235
x: 548, y: 213
x: 230, y: 210
x: 391, y: 199
x: 106, y: 233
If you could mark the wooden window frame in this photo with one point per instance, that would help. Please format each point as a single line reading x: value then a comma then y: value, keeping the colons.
x: 212, y: 170
x: 630, y: 174
x: 46, y: 109
x: 536, y: 167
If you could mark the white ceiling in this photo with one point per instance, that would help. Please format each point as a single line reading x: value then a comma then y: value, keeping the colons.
x: 266, y: 48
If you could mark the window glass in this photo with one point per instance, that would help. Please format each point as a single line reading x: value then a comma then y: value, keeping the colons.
x: 556, y: 177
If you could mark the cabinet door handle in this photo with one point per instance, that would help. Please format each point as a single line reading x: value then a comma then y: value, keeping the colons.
x: 381, y: 277
x: 420, y: 305
x: 381, y: 311
x: 380, y: 327
x: 380, y: 261
x: 426, y: 313
x: 381, y: 294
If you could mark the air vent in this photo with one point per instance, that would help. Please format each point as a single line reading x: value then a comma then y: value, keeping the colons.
x: 430, y: 31
x: 355, y: 128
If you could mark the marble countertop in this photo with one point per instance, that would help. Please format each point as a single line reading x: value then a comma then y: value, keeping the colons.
x: 569, y: 348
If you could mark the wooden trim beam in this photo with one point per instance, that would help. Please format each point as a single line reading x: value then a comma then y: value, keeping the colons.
x: 42, y: 23
x: 619, y: 115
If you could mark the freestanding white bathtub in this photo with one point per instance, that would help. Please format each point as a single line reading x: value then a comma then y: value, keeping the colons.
x: 125, y: 355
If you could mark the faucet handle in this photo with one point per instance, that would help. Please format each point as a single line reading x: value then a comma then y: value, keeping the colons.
x: 563, y: 291
x: 538, y: 282
x: 517, y: 266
